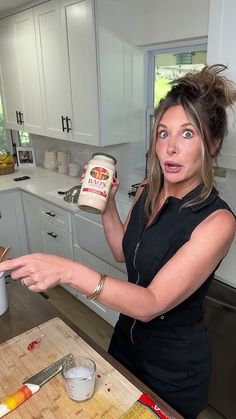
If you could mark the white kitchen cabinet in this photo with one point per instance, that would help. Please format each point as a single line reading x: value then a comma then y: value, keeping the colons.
x: 98, y: 265
x: 20, y: 84
x: 91, y: 249
x: 105, y: 105
x: 54, y: 70
x: 78, y: 27
x: 32, y: 223
x: 56, y: 241
x: 89, y: 235
x: 67, y: 72
x: 221, y: 44
x: 12, y: 224
x: 48, y: 227
x: 86, y: 71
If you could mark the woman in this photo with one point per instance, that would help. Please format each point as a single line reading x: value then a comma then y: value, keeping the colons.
x: 174, y: 238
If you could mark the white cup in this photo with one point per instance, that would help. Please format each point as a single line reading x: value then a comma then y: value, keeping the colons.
x: 79, y: 377
x: 74, y: 169
x: 3, y: 294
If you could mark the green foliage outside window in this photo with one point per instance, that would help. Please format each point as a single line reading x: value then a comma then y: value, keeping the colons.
x: 23, y: 138
x: 161, y: 88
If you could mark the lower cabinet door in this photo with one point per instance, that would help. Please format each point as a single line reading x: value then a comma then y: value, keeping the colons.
x: 56, y: 241
x: 12, y: 224
x: 32, y: 223
x: 81, y: 256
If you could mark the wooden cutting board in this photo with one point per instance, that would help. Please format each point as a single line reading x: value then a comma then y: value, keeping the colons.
x: 114, y: 394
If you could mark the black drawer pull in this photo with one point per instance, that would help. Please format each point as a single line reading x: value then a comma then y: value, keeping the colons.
x: 17, y: 118
x: 67, y: 124
x: 21, y: 118
x: 63, y: 119
x: 53, y: 235
x: 51, y: 214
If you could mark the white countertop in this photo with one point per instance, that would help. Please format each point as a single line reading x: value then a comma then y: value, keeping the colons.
x: 45, y: 183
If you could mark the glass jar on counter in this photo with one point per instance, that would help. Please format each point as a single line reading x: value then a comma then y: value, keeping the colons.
x: 50, y: 160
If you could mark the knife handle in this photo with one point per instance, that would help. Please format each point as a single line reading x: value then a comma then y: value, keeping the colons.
x: 16, y: 399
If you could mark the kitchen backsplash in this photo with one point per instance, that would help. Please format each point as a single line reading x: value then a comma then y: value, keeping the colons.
x: 130, y: 156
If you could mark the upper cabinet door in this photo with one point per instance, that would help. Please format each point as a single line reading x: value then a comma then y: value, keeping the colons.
x: 79, y: 30
x: 120, y: 76
x: 67, y: 72
x: 21, y: 94
x: 28, y: 70
x: 100, y: 65
x: 221, y: 46
x: 10, y: 86
x: 54, y: 70
x: 113, y: 73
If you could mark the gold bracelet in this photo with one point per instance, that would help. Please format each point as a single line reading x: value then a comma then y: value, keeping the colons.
x: 98, y: 288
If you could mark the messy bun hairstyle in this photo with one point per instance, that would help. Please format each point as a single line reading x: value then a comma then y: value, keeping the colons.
x: 205, y: 96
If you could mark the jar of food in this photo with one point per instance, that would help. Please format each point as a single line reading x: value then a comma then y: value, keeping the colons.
x: 97, y: 183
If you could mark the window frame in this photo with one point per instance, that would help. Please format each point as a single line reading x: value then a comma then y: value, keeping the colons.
x: 175, y: 48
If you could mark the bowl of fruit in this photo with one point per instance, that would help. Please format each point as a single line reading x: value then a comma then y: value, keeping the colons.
x: 7, y: 162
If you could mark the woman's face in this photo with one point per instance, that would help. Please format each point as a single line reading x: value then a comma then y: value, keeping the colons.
x: 179, y: 148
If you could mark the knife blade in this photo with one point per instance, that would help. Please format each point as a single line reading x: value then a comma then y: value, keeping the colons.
x: 32, y: 385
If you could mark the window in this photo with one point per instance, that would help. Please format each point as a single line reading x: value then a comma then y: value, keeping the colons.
x: 165, y: 65
x: 9, y: 139
x: 24, y: 139
x: 168, y: 67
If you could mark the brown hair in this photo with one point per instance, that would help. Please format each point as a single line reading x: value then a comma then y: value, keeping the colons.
x: 204, y: 97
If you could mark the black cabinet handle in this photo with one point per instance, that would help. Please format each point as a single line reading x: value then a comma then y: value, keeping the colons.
x: 63, y: 119
x: 17, y: 117
x: 53, y: 235
x: 51, y: 214
x: 21, y: 118
x: 67, y: 124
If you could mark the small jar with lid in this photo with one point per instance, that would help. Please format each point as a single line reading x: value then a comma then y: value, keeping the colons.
x: 97, y: 183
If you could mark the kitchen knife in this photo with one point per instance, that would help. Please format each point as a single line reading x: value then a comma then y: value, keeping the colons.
x: 31, y: 386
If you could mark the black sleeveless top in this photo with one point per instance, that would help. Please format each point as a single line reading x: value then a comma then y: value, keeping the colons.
x: 147, y: 250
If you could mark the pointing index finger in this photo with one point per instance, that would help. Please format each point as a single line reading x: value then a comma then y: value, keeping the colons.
x: 7, y: 265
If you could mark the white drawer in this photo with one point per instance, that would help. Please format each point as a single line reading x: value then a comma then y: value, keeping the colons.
x: 56, y: 241
x: 123, y: 208
x: 86, y: 258
x: 98, y: 265
x: 55, y: 215
x: 89, y: 235
x: 49, y: 212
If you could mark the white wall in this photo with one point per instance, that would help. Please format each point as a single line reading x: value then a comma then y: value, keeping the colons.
x: 155, y: 21
x: 127, y: 156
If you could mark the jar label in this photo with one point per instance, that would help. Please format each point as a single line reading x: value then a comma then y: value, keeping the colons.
x: 97, y: 182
